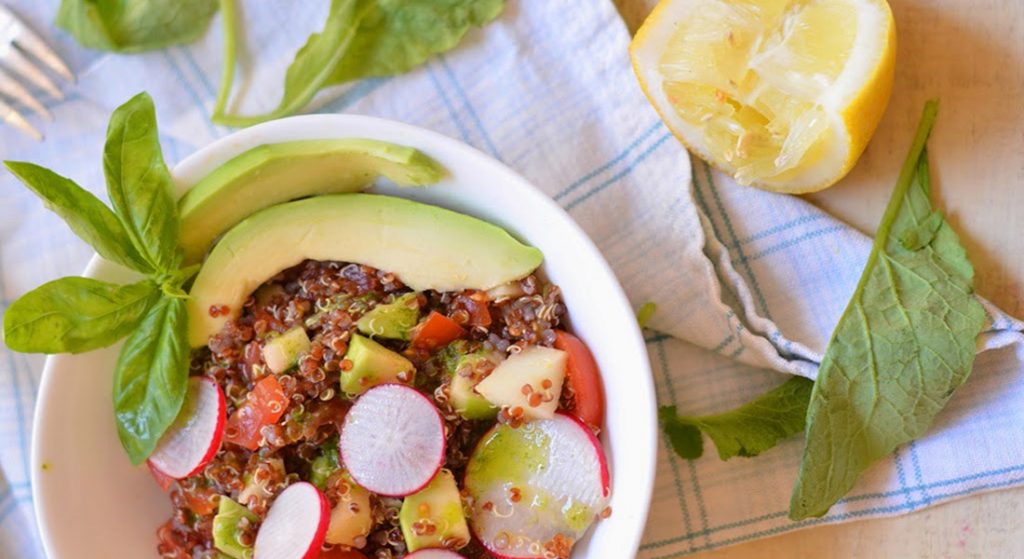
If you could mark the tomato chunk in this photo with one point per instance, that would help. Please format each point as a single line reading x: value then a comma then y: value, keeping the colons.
x: 437, y: 330
x: 476, y: 304
x: 265, y: 405
x: 584, y: 377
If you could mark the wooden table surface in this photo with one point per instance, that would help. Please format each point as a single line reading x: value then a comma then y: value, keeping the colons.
x: 969, y: 54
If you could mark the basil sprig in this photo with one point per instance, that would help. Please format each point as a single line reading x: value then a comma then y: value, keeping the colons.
x: 75, y: 314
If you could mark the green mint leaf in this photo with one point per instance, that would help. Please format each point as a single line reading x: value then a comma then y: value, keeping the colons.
x: 396, y: 36
x: 74, y: 314
x: 135, y: 25
x: 312, y: 66
x: 751, y: 428
x: 139, y: 184
x: 684, y: 437
x: 151, y: 377
x: 84, y: 213
x: 904, y: 344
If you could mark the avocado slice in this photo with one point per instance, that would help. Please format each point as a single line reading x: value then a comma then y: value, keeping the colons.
x: 282, y: 353
x: 273, y: 173
x: 433, y: 517
x: 467, y: 372
x: 392, y: 320
x: 425, y: 246
x: 373, y: 364
x: 225, y: 528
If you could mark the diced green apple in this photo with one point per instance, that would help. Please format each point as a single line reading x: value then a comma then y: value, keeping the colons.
x: 282, y: 353
x: 530, y: 381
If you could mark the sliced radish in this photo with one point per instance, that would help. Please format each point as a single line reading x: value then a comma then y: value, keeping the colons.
x: 295, y: 525
x: 194, y: 437
x: 434, y: 554
x: 536, y: 487
x: 165, y: 482
x: 392, y: 441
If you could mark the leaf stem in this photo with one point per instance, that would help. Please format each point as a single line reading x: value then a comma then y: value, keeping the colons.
x: 229, y: 13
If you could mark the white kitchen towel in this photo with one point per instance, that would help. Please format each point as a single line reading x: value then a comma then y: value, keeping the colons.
x: 745, y: 282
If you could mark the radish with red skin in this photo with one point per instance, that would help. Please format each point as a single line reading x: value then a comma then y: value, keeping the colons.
x: 392, y: 441
x: 541, y: 484
x: 434, y: 554
x: 295, y: 525
x: 164, y: 481
x: 191, y: 442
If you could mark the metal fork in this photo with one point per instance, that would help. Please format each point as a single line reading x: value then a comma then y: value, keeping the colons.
x: 19, y: 45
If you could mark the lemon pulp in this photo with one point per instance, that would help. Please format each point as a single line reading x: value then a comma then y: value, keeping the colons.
x: 754, y: 76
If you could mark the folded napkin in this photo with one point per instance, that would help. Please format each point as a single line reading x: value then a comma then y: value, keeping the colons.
x: 748, y: 284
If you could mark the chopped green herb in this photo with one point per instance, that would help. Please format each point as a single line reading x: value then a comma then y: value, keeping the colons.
x: 643, y: 316
x: 747, y: 430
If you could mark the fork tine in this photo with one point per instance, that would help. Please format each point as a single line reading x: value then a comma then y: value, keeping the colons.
x: 28, y: 41
x: 14, y: 118
x: 16, y: 61
x: 14, y: 90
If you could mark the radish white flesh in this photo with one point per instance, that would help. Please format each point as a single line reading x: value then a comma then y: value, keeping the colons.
x: 392, y: 441
x: 194, y: 437
x: 295, y: 525
x: 558, y: 473
x: 434, y: 554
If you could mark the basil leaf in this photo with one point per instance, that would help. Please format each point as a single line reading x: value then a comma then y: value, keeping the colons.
x: 135, y: 25
x: 398, y: 35
x: 74, y: 314
x: 84, y: 213
x: 365, y: 38
x: 905, y: 342
x: 747, y: 430
x: 139, y: 184
x: 312, y: 66
x: 151, y: 377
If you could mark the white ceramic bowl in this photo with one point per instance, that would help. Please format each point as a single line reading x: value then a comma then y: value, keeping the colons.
x: 91, y: 503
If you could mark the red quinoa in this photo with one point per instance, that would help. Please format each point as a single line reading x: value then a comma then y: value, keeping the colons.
x: 327, y: 298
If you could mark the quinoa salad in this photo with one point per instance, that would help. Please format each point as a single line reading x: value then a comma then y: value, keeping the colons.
x: 332, y: 378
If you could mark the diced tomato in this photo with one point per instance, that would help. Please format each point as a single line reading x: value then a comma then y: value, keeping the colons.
x: 338, y: 553
x: 437, y: 330
x: 584, y: 378
x: 164, y: 481
x: 476, y: 304
x: 265, y: 407
x: 201, y: 501
x: 269, y: 399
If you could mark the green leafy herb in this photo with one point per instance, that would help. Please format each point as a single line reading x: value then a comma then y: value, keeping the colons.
x: 151, y: 377
x: 87, y: 216
x: 135, y: 25
x: 904, y: 344
x: 314, y: 62
x: 397, y: 35
x: 139, y: 184
x: 364, y: 38
x: 76, y: 314
x: 747, y: 430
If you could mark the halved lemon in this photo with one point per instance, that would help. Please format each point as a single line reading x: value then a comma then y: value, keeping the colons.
x: 781, y: 94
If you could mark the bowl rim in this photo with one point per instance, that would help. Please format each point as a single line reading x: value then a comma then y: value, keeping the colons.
x: 198, y: 164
